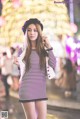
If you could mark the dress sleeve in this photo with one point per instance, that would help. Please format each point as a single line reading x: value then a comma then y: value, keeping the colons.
x: 52, y: 59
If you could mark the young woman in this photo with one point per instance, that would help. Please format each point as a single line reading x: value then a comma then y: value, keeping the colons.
x: 15, y: 71
x: 32, y: 89
x: 67, y: 80
x: 69, y: 77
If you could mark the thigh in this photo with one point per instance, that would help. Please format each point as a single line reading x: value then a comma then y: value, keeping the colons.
x: 29, y: 110
x: 41, y: 107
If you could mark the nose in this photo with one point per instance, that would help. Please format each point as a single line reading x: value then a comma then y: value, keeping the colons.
x: 32, y: 31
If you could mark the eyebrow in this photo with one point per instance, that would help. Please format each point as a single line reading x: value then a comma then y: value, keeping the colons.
x: 33, y: 28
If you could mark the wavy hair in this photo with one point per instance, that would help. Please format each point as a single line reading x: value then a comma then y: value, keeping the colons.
x: 39, y: 49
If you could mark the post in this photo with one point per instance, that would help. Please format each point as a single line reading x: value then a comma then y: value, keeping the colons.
x: 71, y: 11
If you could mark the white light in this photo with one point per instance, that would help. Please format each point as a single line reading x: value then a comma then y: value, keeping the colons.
x: 78, y: 45
x: 72, y: 54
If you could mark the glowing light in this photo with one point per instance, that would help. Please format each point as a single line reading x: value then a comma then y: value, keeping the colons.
x: 74, y: 27
x: 16, y: 3
x: 2, y: 21
x: 72, y: 54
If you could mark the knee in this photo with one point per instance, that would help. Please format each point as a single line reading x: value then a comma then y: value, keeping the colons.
x: 30, y: 115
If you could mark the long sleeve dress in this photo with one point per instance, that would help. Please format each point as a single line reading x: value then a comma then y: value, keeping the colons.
x: 33, y: 84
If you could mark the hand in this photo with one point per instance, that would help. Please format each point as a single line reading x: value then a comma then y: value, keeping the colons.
x: 16, y: 61
x: 46, y: 42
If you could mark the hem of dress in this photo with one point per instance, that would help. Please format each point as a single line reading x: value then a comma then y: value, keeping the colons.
x: 33, y: 100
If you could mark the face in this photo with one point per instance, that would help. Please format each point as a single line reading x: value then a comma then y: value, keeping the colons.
x: 32, y: 32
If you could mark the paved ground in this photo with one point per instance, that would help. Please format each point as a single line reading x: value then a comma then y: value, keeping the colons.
x: 15, y: 111
x: 56, y: 99
x: 56, y: 96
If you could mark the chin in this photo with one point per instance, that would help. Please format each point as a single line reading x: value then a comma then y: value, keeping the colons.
x: 33, y: 39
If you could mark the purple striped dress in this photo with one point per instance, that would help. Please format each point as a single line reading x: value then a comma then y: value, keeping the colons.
x: 33, y: 84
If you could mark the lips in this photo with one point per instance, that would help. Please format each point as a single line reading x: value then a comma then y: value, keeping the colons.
x: 31, y: 36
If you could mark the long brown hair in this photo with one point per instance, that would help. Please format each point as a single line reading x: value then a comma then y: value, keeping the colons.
x: 39, y: 49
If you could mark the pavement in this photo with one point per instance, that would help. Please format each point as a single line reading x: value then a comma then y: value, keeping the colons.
x: 56, y: 97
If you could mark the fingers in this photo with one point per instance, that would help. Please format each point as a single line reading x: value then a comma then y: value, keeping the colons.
x: 44, y: 38
x: 16, y: 61
x: 45, y: 41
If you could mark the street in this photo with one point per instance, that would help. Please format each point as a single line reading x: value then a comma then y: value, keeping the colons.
x: 64, y: 113
x: 58, y: 106
x: 15, y: 110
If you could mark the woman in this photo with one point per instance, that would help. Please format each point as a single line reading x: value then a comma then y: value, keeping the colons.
x: 69, y: 82
x: 67, y: 79
x: 32, y: 89
x: 15, y: 71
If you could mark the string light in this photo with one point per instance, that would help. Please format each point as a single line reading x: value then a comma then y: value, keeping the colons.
x: 54, y: 17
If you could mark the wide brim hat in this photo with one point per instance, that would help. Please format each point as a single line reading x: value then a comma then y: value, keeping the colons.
x: 31, y: 21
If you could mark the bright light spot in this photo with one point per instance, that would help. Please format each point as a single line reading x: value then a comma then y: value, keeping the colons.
x: 73, y: 46
x: 78, y: 45
x: 78, y: 61
x: 72, y: 54
x: 69, y: 41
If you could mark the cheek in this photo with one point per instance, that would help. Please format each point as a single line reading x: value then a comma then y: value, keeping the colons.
x: 28, y: 33
x: 36, y: 34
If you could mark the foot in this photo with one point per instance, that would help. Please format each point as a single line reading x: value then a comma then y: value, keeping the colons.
x: 68, y: 93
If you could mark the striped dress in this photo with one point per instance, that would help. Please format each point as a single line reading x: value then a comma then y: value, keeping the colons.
x: 33, y: 84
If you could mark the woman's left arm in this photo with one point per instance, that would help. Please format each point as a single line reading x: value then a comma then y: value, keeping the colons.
x: 52, y: 59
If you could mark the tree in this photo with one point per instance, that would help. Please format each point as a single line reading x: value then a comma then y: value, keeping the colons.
x: 54, y: 16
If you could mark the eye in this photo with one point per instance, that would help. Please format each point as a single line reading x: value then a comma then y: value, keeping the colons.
x: 35, y: 30
x: 28, y: 30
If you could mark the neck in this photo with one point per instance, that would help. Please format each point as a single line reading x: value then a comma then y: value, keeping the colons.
x: 33, y: 45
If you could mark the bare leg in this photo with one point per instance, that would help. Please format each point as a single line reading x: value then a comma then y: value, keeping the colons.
x: 15, y: 83
x: 29, y: 110
x: 41, y: 107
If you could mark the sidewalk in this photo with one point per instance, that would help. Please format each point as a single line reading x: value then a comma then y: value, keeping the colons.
x: 56, y: 97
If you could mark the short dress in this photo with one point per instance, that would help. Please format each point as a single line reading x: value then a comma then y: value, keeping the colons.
x: 33, y: 84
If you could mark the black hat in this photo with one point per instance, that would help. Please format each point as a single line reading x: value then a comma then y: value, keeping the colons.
x: 31, y: 21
